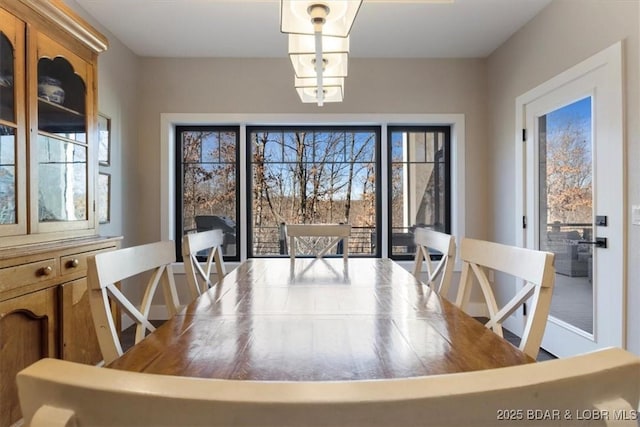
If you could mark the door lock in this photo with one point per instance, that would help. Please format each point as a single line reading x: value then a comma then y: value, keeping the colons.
x: 601, y: 242
x: 601, y: 220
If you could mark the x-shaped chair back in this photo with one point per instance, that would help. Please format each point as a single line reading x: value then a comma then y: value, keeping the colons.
x: 426, y: 240
x: 337, y: 232
x: 199, y: 277
x: 534, y: 268
x: 105, y: 272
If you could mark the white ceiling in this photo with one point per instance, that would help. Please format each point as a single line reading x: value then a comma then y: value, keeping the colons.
x: 251, y: 28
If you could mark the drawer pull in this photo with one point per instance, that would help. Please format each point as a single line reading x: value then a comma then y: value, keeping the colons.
x: 73, y: 263
x: 46, y: 271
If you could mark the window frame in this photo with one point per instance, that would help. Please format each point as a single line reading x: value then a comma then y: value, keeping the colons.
x: 446, y: 129
x: 179, y: 173
x: 169, y: 121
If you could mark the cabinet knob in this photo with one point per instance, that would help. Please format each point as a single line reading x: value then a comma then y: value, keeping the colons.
x: 46, y: 271
x: 73, y: 263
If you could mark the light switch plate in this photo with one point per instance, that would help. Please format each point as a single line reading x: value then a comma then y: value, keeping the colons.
x: 635, y: 214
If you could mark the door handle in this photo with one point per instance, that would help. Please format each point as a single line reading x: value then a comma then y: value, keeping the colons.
x: 601, y: 242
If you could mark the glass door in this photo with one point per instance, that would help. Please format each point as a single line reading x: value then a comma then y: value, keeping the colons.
x: 62, y: 137
x: 574, y: 200
x: 566, y: 208
x: 61, y: 157
x: 12, y: 119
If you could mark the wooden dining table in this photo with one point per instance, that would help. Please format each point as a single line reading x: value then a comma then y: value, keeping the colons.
x: 273, y: 319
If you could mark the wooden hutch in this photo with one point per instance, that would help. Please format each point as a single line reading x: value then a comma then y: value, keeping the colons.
x: 48, y: 169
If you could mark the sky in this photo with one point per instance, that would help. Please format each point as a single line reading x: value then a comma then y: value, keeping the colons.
x: 578, y: 111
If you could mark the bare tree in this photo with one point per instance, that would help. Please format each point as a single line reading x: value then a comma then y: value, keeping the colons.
x: 569, y: 179
x: 209, y: 175
x: 309, y: 177
x: 356, y: 155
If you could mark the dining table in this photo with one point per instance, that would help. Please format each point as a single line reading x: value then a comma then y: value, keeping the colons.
x: 319, y: 319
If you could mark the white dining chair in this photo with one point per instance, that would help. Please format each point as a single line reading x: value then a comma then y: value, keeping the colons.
x: 56, y: 393
x: 299, y: 233
x: 193, y: 244
x: 105, y: 272
x: 439, y: 273
x: 534, y: 268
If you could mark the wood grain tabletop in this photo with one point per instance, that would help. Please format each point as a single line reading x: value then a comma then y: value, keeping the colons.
x: 274, y: 320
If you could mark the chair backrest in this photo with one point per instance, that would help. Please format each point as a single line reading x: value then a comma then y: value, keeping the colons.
x: 199, y: 278
x: 107, y: 269
x: 58, y: 393
x: 533, y: 267
x: 426, y: 240
x: 336, y: 233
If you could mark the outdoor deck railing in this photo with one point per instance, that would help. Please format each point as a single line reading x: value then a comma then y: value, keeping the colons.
x: 271, y: 240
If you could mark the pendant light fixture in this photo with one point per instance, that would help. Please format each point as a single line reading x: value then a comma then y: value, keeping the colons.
x: 325, y: 20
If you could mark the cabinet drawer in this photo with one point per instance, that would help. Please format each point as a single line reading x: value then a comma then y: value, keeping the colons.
x: 76, y: 263
x: 27, y: 274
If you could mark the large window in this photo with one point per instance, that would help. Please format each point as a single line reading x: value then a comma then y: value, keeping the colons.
x: 419, y: 183
x: 207, y: 184
x: 250, y: 179
x: 313, y: 175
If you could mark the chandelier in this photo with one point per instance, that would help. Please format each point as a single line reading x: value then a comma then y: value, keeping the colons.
x: 319, y: 45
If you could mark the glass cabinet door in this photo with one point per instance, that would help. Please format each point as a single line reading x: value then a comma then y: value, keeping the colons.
x: 12, y: 117
x: 62, y: 154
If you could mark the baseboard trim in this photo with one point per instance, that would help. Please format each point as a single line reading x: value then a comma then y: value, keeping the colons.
x: 514, y: 325
x: 477, y: 309
x: 158, y: 312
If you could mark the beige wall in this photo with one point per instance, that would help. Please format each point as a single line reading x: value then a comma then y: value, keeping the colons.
x: 118, y: 76
x: 266, y: 86
x: 118, y: 71
x: 562, y: 35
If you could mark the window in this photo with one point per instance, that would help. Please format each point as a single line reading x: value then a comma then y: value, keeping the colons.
x: 313, y: 175
x: 419, y: 184
x: 377, y: 233
x: 207, y: 185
